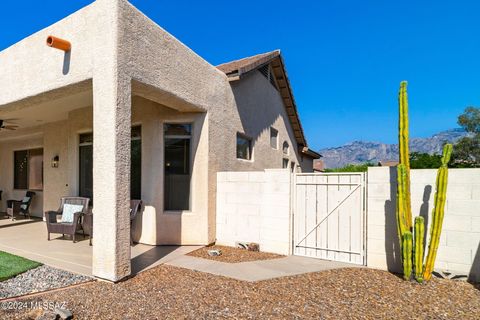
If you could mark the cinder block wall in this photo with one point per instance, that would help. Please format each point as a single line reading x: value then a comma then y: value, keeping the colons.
x: 254, y: 207
x: 459, y: 249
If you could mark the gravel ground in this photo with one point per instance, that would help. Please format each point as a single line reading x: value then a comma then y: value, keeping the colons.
x: 167, y: 292
x: 233, y: 255
x: 37, y: 280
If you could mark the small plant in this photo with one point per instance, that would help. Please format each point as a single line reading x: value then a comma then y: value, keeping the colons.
x: 411, y: 238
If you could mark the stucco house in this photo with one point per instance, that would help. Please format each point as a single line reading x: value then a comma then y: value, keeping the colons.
x: 131, y: 112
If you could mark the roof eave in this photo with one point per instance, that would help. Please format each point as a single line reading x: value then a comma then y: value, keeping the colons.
x: 310, y: 153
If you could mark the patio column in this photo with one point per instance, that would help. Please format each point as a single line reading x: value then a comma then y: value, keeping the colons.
x: 111, y: 151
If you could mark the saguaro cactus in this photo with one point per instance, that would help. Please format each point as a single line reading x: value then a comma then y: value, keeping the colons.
x: 410, y: 246
x: 407, y: 244
x: 419, y: 233
x: 404, y: 156
x: 438, y: 212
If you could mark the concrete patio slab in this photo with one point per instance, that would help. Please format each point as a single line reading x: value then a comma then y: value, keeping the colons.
x: 259, y: 270
x: 28, y: 238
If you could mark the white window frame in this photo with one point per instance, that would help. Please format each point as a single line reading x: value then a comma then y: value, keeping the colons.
x: 246, y: 137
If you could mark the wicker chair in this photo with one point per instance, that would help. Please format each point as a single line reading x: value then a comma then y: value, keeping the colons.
x: 87, y: 224
x: 70, y: 228
x: 135, y: 207
x: 20, y: 206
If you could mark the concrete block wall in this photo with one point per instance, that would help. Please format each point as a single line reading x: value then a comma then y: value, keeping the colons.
x: 459, y: 249
x: 254, y: 207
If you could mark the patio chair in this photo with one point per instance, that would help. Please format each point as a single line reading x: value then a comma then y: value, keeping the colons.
x: 135, y: 207
x: 20, y: 206
x: 87, y: 223
x: 71, y: 209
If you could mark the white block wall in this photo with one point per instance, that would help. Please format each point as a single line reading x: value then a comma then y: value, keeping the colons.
x: 459, y: 249
x: 254, y: 207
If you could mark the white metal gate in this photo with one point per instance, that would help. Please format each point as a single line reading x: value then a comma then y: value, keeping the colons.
x: 329, y: 216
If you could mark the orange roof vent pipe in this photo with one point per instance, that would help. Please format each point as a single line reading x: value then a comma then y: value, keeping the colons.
x: 58, y: 43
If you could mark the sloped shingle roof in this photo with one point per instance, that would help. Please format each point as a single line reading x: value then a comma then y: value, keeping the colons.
x: 247, y: 64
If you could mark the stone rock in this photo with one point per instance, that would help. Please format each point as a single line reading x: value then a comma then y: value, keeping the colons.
x: 64, y: 314
x: 47, y: 315
x: 253, y: 247
x: 214, y: 253
x: 34, y: 314
x: 241, y: 245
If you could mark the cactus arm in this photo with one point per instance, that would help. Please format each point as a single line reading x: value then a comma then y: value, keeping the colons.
x: 404, y: 157
x: 438, y: 213
x: 407, y: 243
x: 401, y: 218
x: 418, y: 253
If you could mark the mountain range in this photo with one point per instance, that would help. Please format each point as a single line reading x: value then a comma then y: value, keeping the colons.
x: 361, y: 151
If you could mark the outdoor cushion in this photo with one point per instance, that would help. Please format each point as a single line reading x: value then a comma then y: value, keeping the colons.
x: 69, y: 210
x: 24, y: 203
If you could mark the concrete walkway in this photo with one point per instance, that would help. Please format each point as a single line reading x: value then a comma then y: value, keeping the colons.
x: 258, y: 270
x: 28, y: 238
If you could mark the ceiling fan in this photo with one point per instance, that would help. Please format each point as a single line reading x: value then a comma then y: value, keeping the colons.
x: 7, y: 125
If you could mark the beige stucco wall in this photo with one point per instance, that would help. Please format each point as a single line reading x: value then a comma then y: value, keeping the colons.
x: 39, y: 69
x: 259, y: 106
x: 252, y: 107
x: 133, y: 56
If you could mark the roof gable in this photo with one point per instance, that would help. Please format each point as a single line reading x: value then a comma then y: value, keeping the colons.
x: 235, y: 70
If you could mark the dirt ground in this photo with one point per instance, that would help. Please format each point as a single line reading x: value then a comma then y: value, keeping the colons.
x: 167, y: 292
x: 233, y: 255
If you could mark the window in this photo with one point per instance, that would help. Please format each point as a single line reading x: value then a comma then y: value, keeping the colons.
x: 285, y: 163
x: 136, y: 164
x: 28, y: 169
x: 286, y: 148
x: 273, y: 138
x: 177, y: 166
x: 86, y: 165
x: 244, y: 147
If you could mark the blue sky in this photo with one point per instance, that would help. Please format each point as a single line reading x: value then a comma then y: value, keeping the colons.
x: 345, y: 59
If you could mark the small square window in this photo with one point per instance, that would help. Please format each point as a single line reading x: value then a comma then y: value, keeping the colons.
x: 273, y: 138
x: 286, y: 148
x: 244, y: 147
x: 285, y: 163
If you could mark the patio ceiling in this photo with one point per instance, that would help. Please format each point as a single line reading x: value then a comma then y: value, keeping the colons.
x: 48, y: 107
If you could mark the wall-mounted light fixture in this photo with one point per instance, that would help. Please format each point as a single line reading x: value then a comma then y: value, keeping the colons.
x: 55, y: 161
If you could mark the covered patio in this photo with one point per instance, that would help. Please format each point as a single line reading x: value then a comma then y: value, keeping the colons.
x: 28, y: 238
x: 72, y: 119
